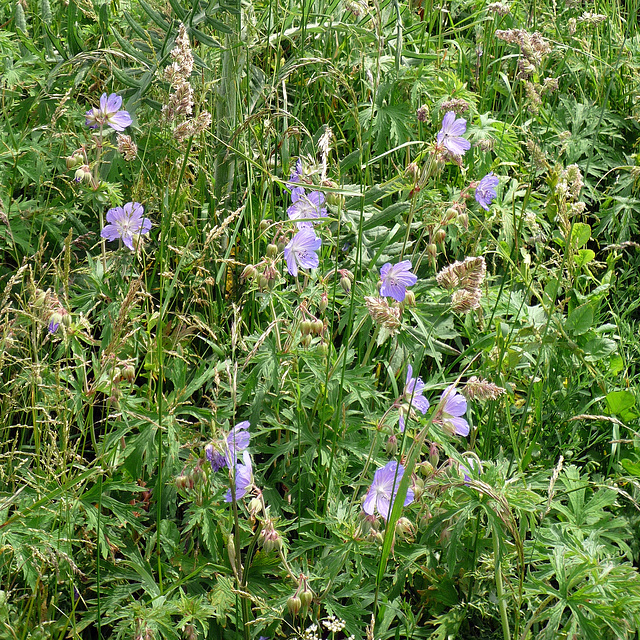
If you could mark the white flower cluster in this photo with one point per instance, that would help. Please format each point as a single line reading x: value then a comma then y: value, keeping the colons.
x: 334, y: 624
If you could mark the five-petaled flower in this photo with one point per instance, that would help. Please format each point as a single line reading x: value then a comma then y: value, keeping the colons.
x: 450, y: 415
x: 413, y: 395
x: 450, y: 136
x: 301, y: 251
x: 306, y: 207
x: 109, y: 114
x: 396, y: 278
x: 126, y: 223
x: 226, y: 452
x: 383, y: 490
x: 486, y: 190
x: 242, y: 477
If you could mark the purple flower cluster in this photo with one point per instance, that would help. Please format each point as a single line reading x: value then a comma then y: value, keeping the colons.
x: 306, y: 208
x: 127, y: 224
x: 243, y: 478
x: 450, y: 416
x: 109, y: 113
x: 413, y: 395
x: 396, y: 278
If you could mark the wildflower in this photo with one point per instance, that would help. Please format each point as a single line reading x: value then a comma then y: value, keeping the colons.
x: 383, y: 314
x: 396, y: 278
x: 301, y: 251
x: 451, y: 134
x: 413, y: 395
x: 109, y: 114
x: 305, y: 207
x: 383, y: 490
x: 422, y: 113
x: 127, y: 147
x: 478, y: 389
x: 54, y: 322
x: 457, y: 105
x: 455, y: 406
x: 226, y: 453
x: 127, y: 224
x: 486, y: 190
x: 243, y: 478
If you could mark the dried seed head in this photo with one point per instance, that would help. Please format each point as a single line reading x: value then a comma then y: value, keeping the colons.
x: 463, y: 300
x: 479, y: 389
x: 383, y: 314
x: 127, y: 147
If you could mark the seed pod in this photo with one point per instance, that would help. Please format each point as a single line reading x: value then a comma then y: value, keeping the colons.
x: 450, y: 214
x: 410, y: 299
x: 306, y: 340
x: 305, y: 327
x: 263, y: 283
x: 324, y: 302
x: 249, y: 272
x: 323, y: 348
x: 432, y: 250
x: 272, y: 250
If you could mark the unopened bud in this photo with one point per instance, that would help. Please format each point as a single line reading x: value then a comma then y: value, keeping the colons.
x: 317, y: 326
x: 409, y: 299
x: 66, y: 319
x: 434, y: 456
x: 463, y: 220
x: 129, y: 373
x: 411, y: 171
x: 231, y: 551
x: 439, y: 236
x: 305, y: 341
x: 392, y: 446
x: 79, y: 175
x: 272, y: 250
x: 306, y: 598
x: 324, y: 302
x: 432, y: 250
x: 255, y: 506
x: 405, y: 529
x: 426, y: 469
x: 182, y: 482
x: 345, y: 283
x: 418, y: 488
x: 39, y: 299
x: 249, y: 272
x: 264, y: 225
x: 323, y: 348
x: 294, y: 605
x: 281, y: 245
x: 450, y: 214
x: 305, y: 327
x: 263, y: 283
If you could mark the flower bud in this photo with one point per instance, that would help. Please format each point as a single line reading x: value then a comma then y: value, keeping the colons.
x: 317, y: 326
x: 405, y: 529
x: 129, y: 373
x: 411, y: 171
x: 264, y: 225
x: 39, y: 299
x: 282, y: 243
x: 182, y: 482
x: 434, y: 456
x: 263, y: 283
x: 66, y: 319
x: 409, y: 299
x: 305, y: 327
x: 450, y: 214
x: 432, y: 250
x: 231, y: 551
x: 323, y: 348
x: 418, y: 488
x: 345, y: 283
x: 272, y: 250
x: 426, y: 469
x: 255, y: 506
x: 306, y: 598
x: 249, y: 272
x: 294, y: 605
x: 439, y: 236
x: 463, y: 220
x: 79, y: 175
x: 305, y: 341
x: 392, y: 446
x: 324, y: 302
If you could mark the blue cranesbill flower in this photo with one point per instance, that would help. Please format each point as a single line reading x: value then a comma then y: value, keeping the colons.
x: 109, y: 113
x: 126, y: 223
x: 450, y: 416
x: 226, y: 452
x: 450, y: 135
x: 243, y: 478
x: 486, y: 190
x: 306, y: 207
x: 383, y: 490
x: 396, y: 278
x: 413, y: 390
x: 301, y: 251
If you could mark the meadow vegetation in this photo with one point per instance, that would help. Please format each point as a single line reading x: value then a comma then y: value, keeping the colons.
x: 319, y: 319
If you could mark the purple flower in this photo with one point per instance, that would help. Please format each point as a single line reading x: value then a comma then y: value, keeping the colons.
x: 127, y: 224
x: 243, y: 477
x: 226, y: 452
x: 413, y: 395
x: 53, y: 326
x: 306, y: 207
x: 301, y: 251
x: 455, y: 406
x: 383, y: 490
x: 109, y: 114
x: 451, y: 134
x: 486, y: 190
x: 296, y: 172
x: 396, y: 278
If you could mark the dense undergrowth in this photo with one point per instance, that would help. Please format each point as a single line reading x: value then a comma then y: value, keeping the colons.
x: 319, y: 320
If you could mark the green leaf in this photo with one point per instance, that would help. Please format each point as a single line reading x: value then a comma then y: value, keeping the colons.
x: 580, y: 320
x: 632, y: 468
x: 620, y: 401
x: 585, y: 256
x: 598, y: 348
x: 581, y: 234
